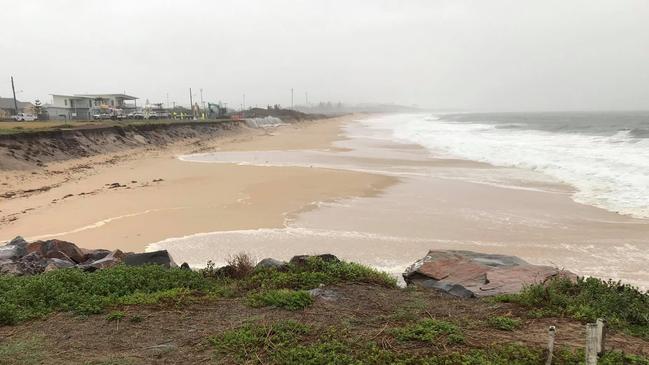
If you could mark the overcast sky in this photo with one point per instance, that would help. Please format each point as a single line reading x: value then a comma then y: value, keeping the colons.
x: 468, y: 55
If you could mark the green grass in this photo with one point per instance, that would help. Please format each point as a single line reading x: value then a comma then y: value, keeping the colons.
x: 22, y: 351
x: 316, y: 272
x: 115, y: 316
x: 429, y: 330
x: 241, y: 343
x: 294, y: 343
x: 624, y: 307
x: 27, y: 297
x: 504, y: 323
x: 281, y: 298
x: 72, y: 290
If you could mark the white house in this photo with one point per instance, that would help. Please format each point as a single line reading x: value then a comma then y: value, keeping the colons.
x: 83, y: 106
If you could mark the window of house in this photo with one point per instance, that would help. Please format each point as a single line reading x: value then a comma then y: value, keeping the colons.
x: 65, y: 101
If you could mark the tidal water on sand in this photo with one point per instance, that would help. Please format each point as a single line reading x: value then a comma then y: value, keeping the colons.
x: 545, y: 187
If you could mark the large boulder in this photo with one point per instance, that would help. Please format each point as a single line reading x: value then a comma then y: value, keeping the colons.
x: 472, y: 274
x: 8, y: 252
x: 16, y: 248
x: 94, y: 255
x: 110, y: 260
x: 301, y: 260
x: 31, y: 264
x: 270, y: 263
x: 55, y: 264
x: 156, y: 257
x: 9, y: 267
x: 57, y: 249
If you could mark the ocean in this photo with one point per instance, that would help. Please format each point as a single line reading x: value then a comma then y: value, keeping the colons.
x: 603, y: 155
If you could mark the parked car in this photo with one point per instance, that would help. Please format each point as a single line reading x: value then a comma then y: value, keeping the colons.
x: 23, y: 117
x: 135, y: 115
x: 101, y: 116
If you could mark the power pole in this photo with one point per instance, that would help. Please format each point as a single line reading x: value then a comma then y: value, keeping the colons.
x: 291, y: 98
x: 202, y: 102
x: 13, y: 89
x: 191, y: 103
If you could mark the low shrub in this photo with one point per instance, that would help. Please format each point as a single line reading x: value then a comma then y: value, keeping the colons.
x: 22, y: 351
x: 26, y: 297
x: 504, y: 323
x: 429, y: 330
x: 115, y: 316
x: 238, y: 344
x: 281, y: 298
x: 294, y: 343
x: 315, y: 272
x: 623, y: 306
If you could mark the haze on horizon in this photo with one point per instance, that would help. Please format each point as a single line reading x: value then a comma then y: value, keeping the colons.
x: 463, y: 55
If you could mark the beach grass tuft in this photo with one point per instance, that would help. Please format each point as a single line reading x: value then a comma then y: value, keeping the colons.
x: 624, y: 307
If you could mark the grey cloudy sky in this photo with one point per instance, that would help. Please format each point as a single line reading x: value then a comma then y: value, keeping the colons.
x: 472, y: 55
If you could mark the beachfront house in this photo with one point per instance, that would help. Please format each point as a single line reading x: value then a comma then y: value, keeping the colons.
x: 84, y: 106
x: 8, y: 108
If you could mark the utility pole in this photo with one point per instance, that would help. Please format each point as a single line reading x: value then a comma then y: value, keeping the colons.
x: 191, y: 103
x: 202, y: 102
x: 13, y: 89
x: 291, y: 98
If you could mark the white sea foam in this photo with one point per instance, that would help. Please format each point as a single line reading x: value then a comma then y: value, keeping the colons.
x: 610, y: 172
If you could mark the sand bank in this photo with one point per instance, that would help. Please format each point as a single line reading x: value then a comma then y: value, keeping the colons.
x: 147, y: 196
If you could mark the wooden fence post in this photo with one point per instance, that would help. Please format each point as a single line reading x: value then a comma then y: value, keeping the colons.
x: 591, y: 343
x: 552, y: 332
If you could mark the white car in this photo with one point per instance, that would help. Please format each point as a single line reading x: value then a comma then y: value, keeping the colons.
x: 22, y: 117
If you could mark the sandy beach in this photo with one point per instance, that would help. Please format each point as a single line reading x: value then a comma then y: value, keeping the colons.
x: 160, y: 196
x: 327, y: 186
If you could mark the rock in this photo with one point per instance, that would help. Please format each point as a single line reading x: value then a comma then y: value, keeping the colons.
x: 94, y: 255
x: 112, y: 259
x: 269, y: 263
x: 471, y: 274
x: 31, y: 264
x: 324, y: 294
x: 301, y: 260
x: 9, y: 267
x: 54, y: 264
x: 21, y: 244
x: 54, y: 248
x: 227, y: 271
x: 16, y: 248
x: 59, y: 255
x: 8, y: 252
x: 156, y: 257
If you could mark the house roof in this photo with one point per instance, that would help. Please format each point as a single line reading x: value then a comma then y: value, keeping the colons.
x: 8, y: 103
x: 123, y: 96
x: 94, y: 96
